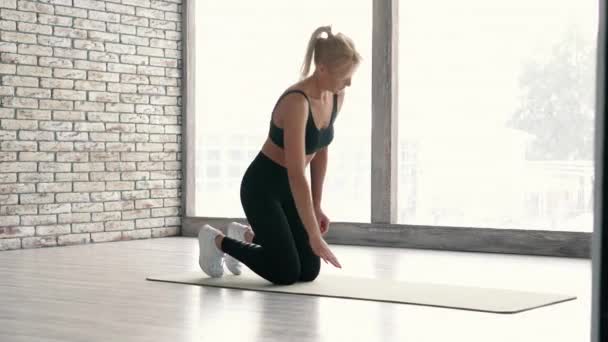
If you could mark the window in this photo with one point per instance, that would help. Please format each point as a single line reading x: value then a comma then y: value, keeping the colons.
x: 247, y: 53
x: 496, y: 113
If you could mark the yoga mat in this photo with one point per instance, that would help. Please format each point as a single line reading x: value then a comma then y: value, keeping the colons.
x: 385, y: 290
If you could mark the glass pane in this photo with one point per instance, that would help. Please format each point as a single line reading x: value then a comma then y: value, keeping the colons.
x: 247, y: 54
x: 496, y: 119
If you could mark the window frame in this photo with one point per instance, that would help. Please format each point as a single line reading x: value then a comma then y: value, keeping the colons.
x: 599, y: 300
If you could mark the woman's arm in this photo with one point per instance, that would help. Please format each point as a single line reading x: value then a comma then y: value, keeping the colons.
x: 318, y: 168
x: 295, y: 108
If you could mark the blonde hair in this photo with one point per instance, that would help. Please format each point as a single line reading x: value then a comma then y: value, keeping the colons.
x: 332, y: 51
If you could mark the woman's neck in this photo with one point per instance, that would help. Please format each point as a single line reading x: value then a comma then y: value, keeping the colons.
x: 316, y: 90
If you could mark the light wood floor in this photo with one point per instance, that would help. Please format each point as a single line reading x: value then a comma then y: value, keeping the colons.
x: 99, y: 293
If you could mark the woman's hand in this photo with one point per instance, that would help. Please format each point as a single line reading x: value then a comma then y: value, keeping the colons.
x: 320, y: 248
x: 323, y: 221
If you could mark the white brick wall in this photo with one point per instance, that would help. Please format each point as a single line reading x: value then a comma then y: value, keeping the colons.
x: 90, y: 121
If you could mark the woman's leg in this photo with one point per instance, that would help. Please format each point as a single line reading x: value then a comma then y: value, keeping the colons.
x: 310, y: 263
x: 273, y: 255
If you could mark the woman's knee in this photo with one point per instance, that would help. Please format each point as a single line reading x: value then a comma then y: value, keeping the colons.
x: 291, y: 275
x: 311, y: 271
x: 287, y: 271
x: 286, y: 276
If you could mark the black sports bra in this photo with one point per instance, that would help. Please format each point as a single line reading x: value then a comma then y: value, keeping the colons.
x: 315, y: 138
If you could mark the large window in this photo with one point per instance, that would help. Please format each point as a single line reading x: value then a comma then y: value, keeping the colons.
x: 247, y: 53
x: 496, y: 107
x: 496, y: 113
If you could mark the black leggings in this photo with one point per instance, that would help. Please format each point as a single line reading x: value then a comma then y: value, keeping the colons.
x: 280, y: 251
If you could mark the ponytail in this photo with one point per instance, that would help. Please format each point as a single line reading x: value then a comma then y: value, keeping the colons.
x: 311, y: 49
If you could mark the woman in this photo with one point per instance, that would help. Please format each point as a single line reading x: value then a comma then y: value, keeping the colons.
x: 285, y: 242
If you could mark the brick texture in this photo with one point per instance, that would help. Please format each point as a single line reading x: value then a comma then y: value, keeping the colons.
x: 90, y: 117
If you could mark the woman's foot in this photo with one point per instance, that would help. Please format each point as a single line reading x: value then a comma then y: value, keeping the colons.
x: 211, y: 258
x: 239, y: 232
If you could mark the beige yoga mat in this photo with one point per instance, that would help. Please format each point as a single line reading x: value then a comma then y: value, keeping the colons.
x: 385, y: 290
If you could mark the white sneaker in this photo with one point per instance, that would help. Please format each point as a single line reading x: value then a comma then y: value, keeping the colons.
x: 235, y: 231
x: 211, y: 258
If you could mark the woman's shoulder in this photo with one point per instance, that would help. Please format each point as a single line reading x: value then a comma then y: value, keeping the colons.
x: 294, y: 94
x: 293, y: 98
x: 298, y: 87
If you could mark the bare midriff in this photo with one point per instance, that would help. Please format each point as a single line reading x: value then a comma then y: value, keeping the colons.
x: 277, y: 154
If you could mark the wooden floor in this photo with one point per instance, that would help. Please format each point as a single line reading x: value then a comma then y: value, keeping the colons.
x: 99, y: 293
